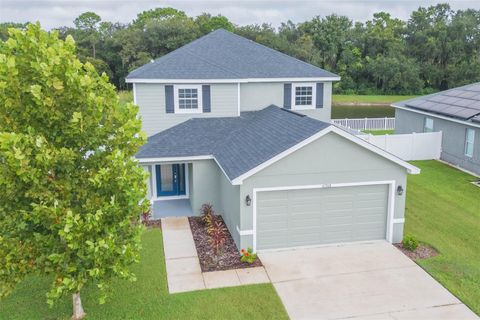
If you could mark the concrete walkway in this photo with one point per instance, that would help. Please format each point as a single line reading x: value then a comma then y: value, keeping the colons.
x: 183, y: 267
x: 361, y: 281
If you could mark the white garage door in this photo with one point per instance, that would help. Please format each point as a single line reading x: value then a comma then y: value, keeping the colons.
x: 292, y: 218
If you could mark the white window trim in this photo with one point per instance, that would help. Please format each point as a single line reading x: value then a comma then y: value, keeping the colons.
x: 425, y: 125
x: 314, y: 96
x: 467, y: 142
x: 176, y: 99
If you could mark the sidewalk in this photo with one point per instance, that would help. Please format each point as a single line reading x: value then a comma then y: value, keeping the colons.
x: 183, y: 267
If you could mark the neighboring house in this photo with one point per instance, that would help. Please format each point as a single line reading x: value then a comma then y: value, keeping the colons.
x: 455, y: 112
x: 237, y: 125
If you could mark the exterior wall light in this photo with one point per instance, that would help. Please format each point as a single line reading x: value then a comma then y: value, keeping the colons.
x: 399, y: 190
x: 248, y: 200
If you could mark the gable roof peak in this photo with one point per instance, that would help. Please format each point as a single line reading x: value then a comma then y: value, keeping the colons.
x: 222, y: 54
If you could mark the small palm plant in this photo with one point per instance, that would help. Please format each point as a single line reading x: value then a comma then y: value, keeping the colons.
x: 218, y: 234
x: 207, y: 214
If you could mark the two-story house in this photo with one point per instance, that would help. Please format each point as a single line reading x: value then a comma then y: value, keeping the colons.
x: 246, y: 128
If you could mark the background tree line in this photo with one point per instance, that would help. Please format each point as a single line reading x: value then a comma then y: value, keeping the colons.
x: 437, y: 48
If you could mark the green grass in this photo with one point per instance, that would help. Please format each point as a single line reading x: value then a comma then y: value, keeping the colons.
x: 147, y: 298
x: 354, y: 98
x: 125, y: 96
x: 443, y: 210
x: 379, y: 132
x: 353, y: 112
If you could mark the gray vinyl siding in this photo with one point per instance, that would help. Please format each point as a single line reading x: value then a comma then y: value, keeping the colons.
x: 150, y: 97
x: 256, y: 96
x: 191, y: 191
x: 205, y: 186
x: 325, y: 161
x: 453, y: 137
x: 208, y: 184
x: 229, y: 206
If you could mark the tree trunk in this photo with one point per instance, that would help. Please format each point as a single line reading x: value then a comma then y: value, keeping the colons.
x: 78, y: 312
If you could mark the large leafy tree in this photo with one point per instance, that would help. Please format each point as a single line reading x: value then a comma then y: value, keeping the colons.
x: 157, y: 14
x: 71, y: 190
x: 88, y: 26
x: 330, y: 35
x: 208, y: 23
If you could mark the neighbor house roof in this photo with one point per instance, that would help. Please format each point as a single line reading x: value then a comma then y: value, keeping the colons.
x: 462, y: 103
x: 224, y: 55
x: 241, y: 145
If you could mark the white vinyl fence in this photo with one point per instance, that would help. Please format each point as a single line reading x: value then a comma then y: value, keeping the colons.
x: 367, y: 123
x: 414, y: 146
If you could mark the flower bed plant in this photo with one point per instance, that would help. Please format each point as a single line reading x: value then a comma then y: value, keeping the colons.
x: 248, y: 255
x: 215, y: 254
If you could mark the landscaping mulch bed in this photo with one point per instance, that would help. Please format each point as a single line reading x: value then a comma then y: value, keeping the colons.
x: 423, y: 251
x: 153, y: 223
x: 229, y: 257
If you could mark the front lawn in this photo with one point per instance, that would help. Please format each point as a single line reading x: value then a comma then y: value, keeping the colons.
x: 378, y: 99
x: 147, y: 298
x: 379, y: 132
x: 125, y: 96
x: 354, y: 112
x: 443, y: 210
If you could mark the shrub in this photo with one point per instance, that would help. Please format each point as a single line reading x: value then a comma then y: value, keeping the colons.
x: 207, y: 214
x: 410, y: 243
x: 248, y: 255
x: 217, y: 233
x: 146, y: 217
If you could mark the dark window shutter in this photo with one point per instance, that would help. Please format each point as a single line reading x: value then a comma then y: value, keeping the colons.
x: 169, y: 104
x: 319, y: 97
x: 287, y: 96
x: 206, y: 98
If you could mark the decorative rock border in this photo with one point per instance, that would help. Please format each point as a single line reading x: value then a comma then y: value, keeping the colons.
x: 183, y: 267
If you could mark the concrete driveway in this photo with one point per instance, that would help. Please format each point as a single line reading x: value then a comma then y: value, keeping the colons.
x: 360, y: 281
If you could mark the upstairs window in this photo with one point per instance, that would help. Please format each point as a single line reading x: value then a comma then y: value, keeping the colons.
x: 469, y: 141
x: 303, y: 96
x: 428, y: 125
x: 188, y: 99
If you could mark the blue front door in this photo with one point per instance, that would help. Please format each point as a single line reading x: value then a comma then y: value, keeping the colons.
x: 170, y: 179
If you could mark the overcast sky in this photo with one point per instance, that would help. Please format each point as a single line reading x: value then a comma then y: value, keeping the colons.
x: 54, y: 13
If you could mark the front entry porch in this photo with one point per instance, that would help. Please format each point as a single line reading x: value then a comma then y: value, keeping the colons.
x: 168, y: 190
x: 171, y: 208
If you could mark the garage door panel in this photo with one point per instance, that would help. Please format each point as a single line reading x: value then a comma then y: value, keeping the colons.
x: 280, y: 226
x: 310, y: 207
x: 321, y: 216
x: 336, y: 236
x: 273, y: 241
x: 369, y: 204
x: 314, y: 222
x: 367, y: 233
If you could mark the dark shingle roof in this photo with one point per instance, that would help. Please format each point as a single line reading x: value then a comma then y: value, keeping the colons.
x: 460, y: 103
x: 239, y: 144
x: 224, y: 55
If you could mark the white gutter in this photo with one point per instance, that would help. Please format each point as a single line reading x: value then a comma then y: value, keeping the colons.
x: 246, y: 80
